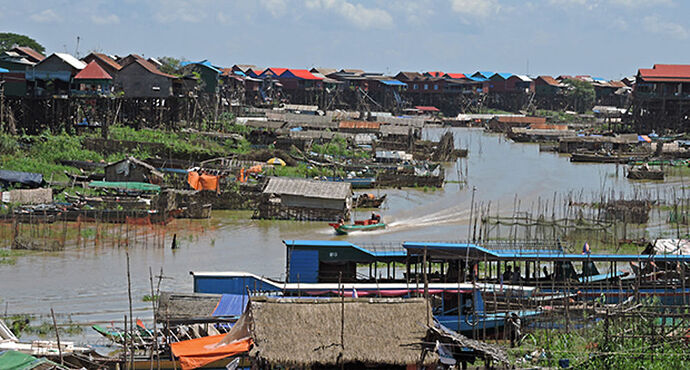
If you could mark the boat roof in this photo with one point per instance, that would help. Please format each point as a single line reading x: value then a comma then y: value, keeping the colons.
x: 312, y: 287
x: 473, y: 251
x: 373, y: 251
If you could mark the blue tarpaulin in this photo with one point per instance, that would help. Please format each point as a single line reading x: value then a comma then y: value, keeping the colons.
x: 231, y: 305
x: 29, y: 179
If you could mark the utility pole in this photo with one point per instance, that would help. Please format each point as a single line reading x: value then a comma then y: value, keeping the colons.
x: 2, y: 103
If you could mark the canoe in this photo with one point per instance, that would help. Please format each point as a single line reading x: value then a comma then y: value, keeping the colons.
x: 345, y: 229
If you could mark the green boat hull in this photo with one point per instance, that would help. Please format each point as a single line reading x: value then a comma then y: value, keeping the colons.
x: 346, y: 229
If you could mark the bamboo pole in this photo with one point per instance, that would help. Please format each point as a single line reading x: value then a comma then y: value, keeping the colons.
x: 57, y: 335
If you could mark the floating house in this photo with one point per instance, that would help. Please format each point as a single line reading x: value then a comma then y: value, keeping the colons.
x: 54, y: 74
x: 303, y: 199
x: 93, y: 80
x: 138, y: 78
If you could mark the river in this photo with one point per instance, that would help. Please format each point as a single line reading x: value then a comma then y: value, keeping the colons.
x: 90, y: 284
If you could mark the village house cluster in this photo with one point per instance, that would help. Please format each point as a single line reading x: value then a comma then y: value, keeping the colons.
x: 658, y: 96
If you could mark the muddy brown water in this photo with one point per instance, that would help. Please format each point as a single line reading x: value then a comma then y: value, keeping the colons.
x: 90, y: 285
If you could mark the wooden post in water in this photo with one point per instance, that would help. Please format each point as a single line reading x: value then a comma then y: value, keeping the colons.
x: 57, y: 335
x: 154, y: 350
x: 126, y: 347
x: 426, y: 287
x: 342, y: 311
x: 129, y: 293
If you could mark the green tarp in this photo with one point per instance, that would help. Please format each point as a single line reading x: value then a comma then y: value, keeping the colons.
x: 13, y: 360
x: 142, y: 186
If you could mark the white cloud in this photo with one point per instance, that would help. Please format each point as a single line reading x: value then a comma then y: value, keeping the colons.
x: 105, y: 19
x: 180, y: 11
x: 641, y: 3
x: 586, y: 4
x: 277, y: 8
x: 475, y: 9
x: 654, y: 24
x: 357, y: 14
x: 47, y: 15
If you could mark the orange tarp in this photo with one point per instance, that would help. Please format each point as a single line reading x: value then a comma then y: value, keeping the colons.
x: 202, y: 182
x: 198, y: 352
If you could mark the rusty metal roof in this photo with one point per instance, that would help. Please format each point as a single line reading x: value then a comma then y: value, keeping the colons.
x: 359, y: 125
x: 106, y: 59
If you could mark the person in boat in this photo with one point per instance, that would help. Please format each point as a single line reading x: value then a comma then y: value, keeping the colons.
x: 508, y: 274
x: 375, y: 217
x: 341, y: 221
x: 516, y: 276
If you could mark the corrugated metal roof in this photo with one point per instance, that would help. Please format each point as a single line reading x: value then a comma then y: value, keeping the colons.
x: 665, y: 72
x: 550, y: 81
x: 204, y: 63
x: 30, y: 52
x: 392, y: 82
x: 455, y: 75
x: 3, y: 70
x: 503, y: 75
x: 72, y: 61
x: 522, y: 78
x: 107, y: 60
x: 151, y: 68
x: 360, y: 125
x: 93, y: 72
x: 308, y: 188
x: 299, y: 73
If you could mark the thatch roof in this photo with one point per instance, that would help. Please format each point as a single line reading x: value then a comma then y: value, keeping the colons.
x: 305, y: 332
x: 180, y: 307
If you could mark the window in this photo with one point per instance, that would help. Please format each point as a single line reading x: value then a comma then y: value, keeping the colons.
x: 426, y: 86
x: 415, y: 87
x: 435, y: 87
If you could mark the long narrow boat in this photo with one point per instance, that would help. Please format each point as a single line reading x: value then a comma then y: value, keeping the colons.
x: 366, y: 225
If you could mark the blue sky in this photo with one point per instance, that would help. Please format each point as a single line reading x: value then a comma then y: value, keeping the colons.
x: 607, y: 38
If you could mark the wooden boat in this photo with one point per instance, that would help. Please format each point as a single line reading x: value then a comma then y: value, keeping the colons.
x: 601, y: 158
x: 369, y: 201
x: 357, y: 182
x: 139, y: 338
x: 645, y: 173
x: 364, y: 225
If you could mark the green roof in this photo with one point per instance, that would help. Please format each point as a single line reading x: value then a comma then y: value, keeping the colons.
x: 143, y: 186
x: 13, y: 360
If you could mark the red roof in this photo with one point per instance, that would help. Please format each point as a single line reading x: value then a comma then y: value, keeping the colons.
x: 276, y: 71
x: 427, y: 108
x: 666, y: 72
x: 455, y: 75
x: 301, y: 73
x: 93, y: 71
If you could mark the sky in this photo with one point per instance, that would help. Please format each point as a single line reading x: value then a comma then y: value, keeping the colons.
x: 602, y: 38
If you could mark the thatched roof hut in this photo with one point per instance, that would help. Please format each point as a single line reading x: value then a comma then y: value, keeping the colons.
x: 178, y: 308
x: 307, y: 332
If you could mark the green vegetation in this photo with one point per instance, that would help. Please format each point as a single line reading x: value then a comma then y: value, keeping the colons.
x: 21, y: 324
x: 149, y: 298
x: 303, y: 170
x: 9, y: 256
x: 338, y: 147
x: 493, y: 111
x: 608, y: 344
x: 9, y: 40
x: 556, y: 116
x: 580, y: 95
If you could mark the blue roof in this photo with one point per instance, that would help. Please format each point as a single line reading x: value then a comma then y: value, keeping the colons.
x: 345, y: 244
x: 450, y: 250
x: 505, y: 76
x: 393, y: 83
x: 204, y: 63
x: 3, y: 70
x: 478, y: 79
x: 240, y: 73
x: 485, y: 74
